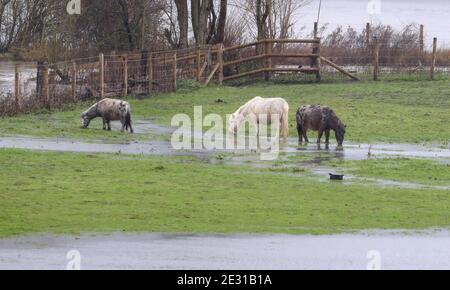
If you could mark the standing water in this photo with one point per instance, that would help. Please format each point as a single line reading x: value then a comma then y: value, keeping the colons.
x: 27, y: 77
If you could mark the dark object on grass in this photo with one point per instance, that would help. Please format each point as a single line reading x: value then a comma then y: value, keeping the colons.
x: 336, y: 176
x: 220, y: 101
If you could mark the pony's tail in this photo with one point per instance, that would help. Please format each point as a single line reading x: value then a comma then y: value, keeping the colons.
x: 299, y: 117
x: 128, y: 122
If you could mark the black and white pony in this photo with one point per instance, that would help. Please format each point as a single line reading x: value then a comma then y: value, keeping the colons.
x: 109, y: 110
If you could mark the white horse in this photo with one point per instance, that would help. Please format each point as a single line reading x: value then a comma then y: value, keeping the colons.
x: 258, y: 107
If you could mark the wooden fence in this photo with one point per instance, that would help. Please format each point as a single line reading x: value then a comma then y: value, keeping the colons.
x: 147, y: 73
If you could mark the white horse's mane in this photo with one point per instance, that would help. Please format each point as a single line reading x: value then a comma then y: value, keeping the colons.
x: 243, y: 110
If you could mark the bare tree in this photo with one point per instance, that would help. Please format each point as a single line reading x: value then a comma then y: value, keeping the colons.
x: 284, y: 17
x: 235, y: 28
x: 271, y: 18
x: 200, y: 12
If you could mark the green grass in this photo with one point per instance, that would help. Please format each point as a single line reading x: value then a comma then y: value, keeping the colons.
x: 77, y: 193
x: 388, y: 111
x: 420, y: 171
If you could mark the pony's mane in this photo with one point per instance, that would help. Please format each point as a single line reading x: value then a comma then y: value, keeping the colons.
x: 91, y: 109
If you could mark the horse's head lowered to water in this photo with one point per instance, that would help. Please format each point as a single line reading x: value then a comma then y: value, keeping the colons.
x: 321, y: 119
x: 340, y: 130
x: 262, y: 111
x: 236, y: 120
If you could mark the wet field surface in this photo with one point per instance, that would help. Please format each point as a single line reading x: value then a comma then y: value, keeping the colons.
x: 396, y: 250
x: 310, y: 157
x: 350, y: 152
x: 7, y: 71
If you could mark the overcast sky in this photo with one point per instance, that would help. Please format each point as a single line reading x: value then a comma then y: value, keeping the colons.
x: 434, y: 14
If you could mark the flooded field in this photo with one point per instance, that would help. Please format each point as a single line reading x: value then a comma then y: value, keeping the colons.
x: 396, y: 250
x: 7, y: 71
x: 293, y: 158
x: 349, y: 152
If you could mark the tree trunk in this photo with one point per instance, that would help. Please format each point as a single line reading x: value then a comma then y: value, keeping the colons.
x: 220, y: 34
x: 183, y: 22
x: 204, y: 14
x: 261, y: 17
x: 195, y: 16
x: 200, y: 12
x: 126, y: 23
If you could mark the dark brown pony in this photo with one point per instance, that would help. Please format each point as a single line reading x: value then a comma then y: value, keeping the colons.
x: 321, y: 119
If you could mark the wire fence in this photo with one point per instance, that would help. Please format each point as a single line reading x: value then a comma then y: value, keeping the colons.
x: 53, y: 86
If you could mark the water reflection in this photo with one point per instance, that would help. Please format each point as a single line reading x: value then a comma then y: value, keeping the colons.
x: 27, y: 77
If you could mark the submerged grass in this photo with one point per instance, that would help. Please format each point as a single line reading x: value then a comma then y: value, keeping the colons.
x: 74, y: 193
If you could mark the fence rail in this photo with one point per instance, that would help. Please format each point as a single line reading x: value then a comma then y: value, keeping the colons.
x: 146, y: 73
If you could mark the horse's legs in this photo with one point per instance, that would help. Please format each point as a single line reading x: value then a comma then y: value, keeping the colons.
x: 258, y: 129
x: 130, y: 127
x: 124, y: 126
x: 285, y: 126
x: 104, y: 124
x: 109, y: 125
x: 305, y: 135
x: 300, y: 134
x: 327, y: 136
x: 319, y: 138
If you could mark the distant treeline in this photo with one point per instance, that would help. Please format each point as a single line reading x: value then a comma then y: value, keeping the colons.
x: 37, y: 29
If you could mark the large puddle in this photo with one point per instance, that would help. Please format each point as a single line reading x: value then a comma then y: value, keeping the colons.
x: 291, y: 155
x: 350, y: 151
x: 394, y: 250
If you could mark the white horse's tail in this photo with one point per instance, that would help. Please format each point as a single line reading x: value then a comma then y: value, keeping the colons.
x: 285, y: 122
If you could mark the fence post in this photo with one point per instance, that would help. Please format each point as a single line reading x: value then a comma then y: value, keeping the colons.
x: 209, y: 59
x: 199, y: 65
x: 125, y: 75
x: 17, y: 86
x: 318, y: 61
x: 220, y: 60
x: 45, y: 87
x: 40, y: 66
x: 316, y: 30
x: 433, y: 58
x: 102, y: 75
x: 268, y: 50
x: 376, y: 58
x: 150, y: 73
x: 421, y: 44
x: 74, y: 82
x: 175, y: 66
